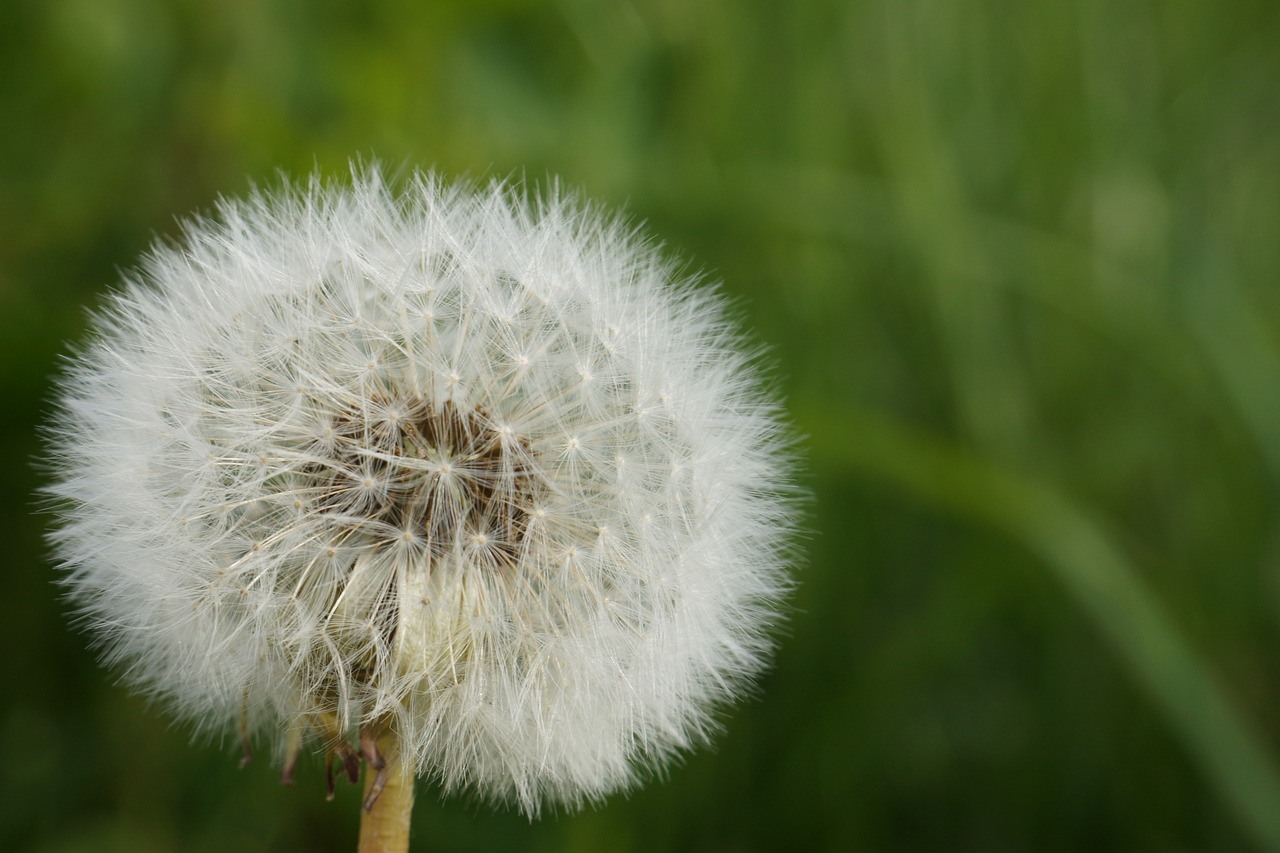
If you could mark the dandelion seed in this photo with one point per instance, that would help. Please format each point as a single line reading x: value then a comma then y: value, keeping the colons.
x: 457, y: 483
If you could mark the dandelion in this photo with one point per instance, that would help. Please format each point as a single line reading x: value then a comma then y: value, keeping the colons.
x: 453, y: 483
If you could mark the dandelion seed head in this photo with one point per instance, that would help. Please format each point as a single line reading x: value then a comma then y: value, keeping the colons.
x: 477, y: 467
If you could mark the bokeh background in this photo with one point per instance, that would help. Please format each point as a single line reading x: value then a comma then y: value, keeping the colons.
x: 1018, y: 265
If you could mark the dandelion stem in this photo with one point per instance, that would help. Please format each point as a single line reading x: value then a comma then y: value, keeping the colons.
x: 388, y: 795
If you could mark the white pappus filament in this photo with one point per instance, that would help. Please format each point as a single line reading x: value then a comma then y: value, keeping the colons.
x: 476, y: 467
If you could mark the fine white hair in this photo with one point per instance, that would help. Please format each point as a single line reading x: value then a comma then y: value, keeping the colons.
x: 478, y: 466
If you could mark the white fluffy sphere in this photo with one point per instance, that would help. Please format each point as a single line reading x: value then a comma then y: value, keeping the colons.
x: 478, y: 469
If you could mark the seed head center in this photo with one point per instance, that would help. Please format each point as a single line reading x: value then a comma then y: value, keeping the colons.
x: 443, y: 475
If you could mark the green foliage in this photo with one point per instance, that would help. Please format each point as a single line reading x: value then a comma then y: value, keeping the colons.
x: 1017, y: 265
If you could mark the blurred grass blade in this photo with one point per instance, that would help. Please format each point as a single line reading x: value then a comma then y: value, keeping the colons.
x: 1079, y: 553
x: 1233, y: 329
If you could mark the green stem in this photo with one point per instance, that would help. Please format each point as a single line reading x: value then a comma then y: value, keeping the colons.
x: 388, y: 795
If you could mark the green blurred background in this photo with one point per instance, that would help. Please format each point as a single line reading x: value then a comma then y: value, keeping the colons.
x: 1018, y: 266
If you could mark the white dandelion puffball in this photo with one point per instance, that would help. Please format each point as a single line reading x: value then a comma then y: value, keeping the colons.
x: 468, y: 466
